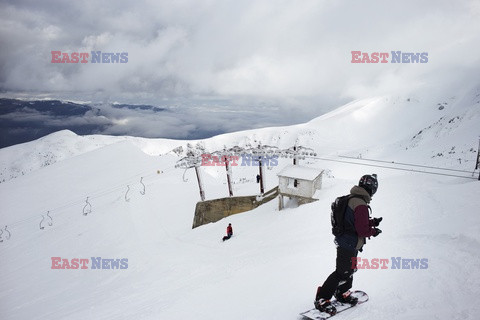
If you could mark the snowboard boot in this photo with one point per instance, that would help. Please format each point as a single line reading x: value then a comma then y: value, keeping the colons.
x: 326, y: 306
x: 346, y: 298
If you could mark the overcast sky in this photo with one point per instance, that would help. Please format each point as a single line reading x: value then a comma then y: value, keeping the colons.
x: 237, y: 57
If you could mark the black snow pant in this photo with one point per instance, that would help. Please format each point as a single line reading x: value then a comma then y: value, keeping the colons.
x: 341, y: 279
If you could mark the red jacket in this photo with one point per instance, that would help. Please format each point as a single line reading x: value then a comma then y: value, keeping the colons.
x: 363, y: 223
x: 229, y: 230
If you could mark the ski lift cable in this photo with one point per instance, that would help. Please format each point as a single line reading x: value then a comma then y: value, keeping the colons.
x: 394, y: 168
x: 405, y: 164
x: 81, y: 200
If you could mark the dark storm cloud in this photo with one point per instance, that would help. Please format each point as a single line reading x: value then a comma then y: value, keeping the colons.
x: 281, y: 61
x: 25, y: 120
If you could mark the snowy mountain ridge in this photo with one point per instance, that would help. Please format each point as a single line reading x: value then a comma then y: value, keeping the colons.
x: 353, y: 119
x: 122, y: 199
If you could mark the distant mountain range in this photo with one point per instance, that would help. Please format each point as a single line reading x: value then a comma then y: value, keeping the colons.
x: 26, y: 120
x: 22, y: 120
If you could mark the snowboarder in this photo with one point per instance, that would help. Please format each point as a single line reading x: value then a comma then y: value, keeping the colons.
x: 357, y: 218
x: 258, y: 178
x: 229, y: 232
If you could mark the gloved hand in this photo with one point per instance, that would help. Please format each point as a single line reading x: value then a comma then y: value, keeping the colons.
x: 377, y: 232
x: 376, y: 221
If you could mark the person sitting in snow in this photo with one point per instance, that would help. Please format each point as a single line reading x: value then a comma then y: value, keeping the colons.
x: 229, y: 232
x: 357, y: 218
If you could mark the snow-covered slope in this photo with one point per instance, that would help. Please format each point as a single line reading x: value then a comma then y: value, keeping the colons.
x: 365, y: 127
x: 272, y: 265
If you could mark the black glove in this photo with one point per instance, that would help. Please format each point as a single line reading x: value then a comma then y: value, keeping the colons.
x: 376, y: 221
x: 376, y: 232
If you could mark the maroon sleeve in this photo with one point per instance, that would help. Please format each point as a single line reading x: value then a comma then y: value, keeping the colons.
x: 362, y: 222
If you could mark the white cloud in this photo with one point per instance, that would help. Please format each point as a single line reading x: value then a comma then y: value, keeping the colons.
x: 287, y: 54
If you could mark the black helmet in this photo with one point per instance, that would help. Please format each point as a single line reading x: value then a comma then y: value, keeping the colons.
x: 369, y: 183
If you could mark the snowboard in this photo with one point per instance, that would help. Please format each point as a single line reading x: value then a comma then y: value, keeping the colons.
x: 314, y: 314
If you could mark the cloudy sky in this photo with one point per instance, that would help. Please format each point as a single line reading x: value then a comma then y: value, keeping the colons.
x: 253, y: 63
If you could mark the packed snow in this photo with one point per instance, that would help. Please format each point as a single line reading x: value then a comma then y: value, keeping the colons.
x: 271, y: 267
